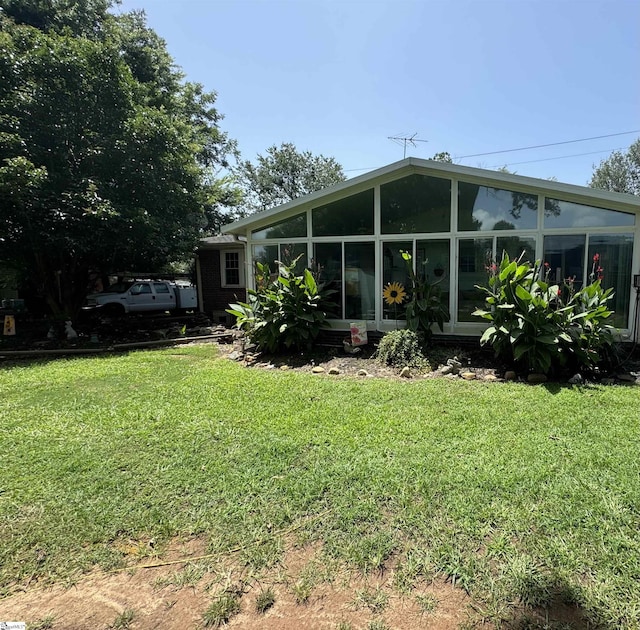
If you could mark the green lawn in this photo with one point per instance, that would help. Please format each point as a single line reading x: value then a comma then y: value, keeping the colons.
x: 518, y: 494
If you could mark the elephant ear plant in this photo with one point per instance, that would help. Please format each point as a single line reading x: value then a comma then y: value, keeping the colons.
x: 283, y: 313
x: 544, y: 326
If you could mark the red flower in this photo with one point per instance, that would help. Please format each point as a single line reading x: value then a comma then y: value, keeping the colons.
x: 547, y: 265
x: 559, y: 291
x: 599, y: 269
x: 596, y: 257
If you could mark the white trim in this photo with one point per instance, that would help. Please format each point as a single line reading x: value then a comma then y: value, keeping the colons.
x: 223, y: 268
x: 199, y: 284
x: 566, y: 192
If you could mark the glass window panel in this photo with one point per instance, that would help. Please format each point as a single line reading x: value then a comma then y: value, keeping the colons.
x: 289, y: 252
x: 394, y: 269
x: 266, y: 254
x: 615, y: 257
x: 432, y: 259
x: 474, y: 255
x: 564, y: 214
x: 482, y: 208
x: 416, y: 203
x: 327, y: 263
x: 288, y: 228
x: 359, y: 281
x: 346, y: 217
x: 160, y: 287
x: 565, y: 256
x: 515, y: 246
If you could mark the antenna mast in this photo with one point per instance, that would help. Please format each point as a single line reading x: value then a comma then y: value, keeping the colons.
x: 404, y: 139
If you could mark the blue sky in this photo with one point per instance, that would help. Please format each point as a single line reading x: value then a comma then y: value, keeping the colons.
x: 338, y: 77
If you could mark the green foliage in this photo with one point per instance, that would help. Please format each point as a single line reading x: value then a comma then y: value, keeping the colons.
x: 401, y: 348
x: 107, y: 157
x: 544, y: 326
x: 285, y: 312
x: 284, y: 174
x: 123, y: 620
x: 425, y: 306
x: 620, y: 172
x: 221, y: 610
x: 265, y: 600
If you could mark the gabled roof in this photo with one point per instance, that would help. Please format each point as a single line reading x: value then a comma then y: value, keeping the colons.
x: 568, y: 192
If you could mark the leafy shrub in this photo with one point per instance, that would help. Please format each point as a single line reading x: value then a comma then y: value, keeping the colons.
x: 425, y: 306
x: 285, y: 312
x: 400, y: 348
x: 544, y: 326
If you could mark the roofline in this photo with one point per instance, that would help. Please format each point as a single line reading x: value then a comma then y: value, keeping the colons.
x: 448, y: 169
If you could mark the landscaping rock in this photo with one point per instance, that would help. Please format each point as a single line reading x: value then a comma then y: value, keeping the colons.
x: 510, y: 375
x: 284, y: 367
x: 334, y: 371
x: 626, y: 378
x: 318, y: 369
x: 236, y: 355
x: 607, y: 381
x: 490, y: 377
x: 405, y: 372
x: 446, y: 369
x: 536, y: 378
x: 468, y: 376
x: 362, y: 373
x: 576, y: 379
x: 454, y: 364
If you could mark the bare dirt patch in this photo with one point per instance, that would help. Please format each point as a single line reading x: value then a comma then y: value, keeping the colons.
x: 307, y: 593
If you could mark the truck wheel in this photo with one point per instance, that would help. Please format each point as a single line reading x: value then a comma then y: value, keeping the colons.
x: 113, y: 310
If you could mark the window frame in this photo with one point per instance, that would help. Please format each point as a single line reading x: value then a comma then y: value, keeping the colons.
x: 224, y: 268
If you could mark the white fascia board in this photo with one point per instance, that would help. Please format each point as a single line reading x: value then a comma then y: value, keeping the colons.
x: 569, y: 192
x: 240, y: 226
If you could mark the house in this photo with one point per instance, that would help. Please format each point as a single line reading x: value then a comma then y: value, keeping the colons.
x: 454, y: 220
x: 220, y: 275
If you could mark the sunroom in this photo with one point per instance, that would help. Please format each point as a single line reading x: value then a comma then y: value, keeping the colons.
x: 455, y: 221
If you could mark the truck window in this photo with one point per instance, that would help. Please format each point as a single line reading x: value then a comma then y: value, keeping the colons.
x: 143, y: 287
x: 160, y: 287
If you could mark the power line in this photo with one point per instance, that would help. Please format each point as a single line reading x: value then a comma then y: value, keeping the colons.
x: 559, y: 157
x: 541, y: 146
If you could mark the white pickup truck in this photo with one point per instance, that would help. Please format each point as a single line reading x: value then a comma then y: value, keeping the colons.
x: 144, y: 296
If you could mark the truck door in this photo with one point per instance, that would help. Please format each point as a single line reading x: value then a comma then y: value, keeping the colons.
x: 165, y: 298
x: 141, y: 297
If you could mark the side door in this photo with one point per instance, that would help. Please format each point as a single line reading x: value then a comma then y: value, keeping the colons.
x: 165, y: 296
x: 141, y: 297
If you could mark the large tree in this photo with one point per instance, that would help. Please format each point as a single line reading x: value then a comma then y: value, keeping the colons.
x: 620, y: 172
x: 107, y: 156
x: 283, y: 174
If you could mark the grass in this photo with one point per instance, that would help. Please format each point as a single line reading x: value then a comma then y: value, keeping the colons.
x: 221, y: 610
x: 520, y: 495
x: 265, y: 600
x: 124, y: 620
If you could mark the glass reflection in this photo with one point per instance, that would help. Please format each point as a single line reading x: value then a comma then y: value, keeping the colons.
x: 481, y: 208
x: 565, y: 214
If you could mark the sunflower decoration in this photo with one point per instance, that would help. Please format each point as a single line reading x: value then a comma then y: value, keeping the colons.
x: 394, y: 293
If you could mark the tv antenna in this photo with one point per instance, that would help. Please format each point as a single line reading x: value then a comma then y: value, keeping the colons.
x: 406, y: 139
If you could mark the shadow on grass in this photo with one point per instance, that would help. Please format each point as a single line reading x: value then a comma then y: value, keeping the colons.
x: 558, y: 609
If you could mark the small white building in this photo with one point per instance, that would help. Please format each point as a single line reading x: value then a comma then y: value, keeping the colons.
x: 458, y: 219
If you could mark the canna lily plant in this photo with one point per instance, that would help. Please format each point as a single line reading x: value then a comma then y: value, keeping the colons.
x: 545, y: 326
